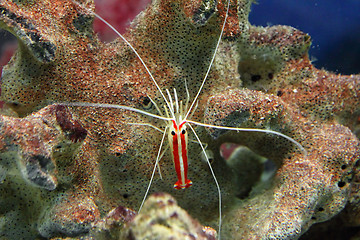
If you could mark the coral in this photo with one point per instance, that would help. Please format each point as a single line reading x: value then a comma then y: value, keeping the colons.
x: 162, y: 218
x: 36, y: 142
x: 74, y: 179
x: 36, y: 149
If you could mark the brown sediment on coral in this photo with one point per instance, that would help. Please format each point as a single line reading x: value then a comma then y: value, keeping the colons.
x: 325, y: 174
x: 36, y: 154
x: 283, y: 37
x: 261, y: 78
x: 33, y: 142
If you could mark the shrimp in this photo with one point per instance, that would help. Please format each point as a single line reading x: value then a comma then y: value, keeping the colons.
x: 177, y: 122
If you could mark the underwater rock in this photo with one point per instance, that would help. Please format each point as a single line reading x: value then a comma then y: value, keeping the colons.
x: 307, y: 188
x: 68, y: 216
x: 34, y: 144
x: 111, y: 226
x: 162, y: 218
x: 33, y: 151
x: 261, y: 78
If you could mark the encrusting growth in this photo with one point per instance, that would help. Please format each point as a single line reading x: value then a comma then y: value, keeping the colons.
x: 261, y: 78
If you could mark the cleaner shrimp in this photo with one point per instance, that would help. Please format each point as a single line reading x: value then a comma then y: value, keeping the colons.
x: 176, y: 116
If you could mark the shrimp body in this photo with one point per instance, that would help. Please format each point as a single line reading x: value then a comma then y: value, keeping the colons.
x: 178, y: 139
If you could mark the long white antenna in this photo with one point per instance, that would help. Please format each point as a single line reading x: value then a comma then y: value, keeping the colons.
x: 153, y: 172
x: 252, y: 130
x: 213, y: 174
x: 104, y: 105
x: 132, y: 48
x: 211, y: 62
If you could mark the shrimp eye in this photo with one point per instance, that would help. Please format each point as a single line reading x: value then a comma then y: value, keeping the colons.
x: 173, y: 133
x: 183, y: 131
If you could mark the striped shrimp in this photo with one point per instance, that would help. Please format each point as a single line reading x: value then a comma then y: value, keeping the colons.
x: 178, y: 123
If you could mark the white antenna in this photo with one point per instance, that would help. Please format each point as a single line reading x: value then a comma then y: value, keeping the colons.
x: 105, y: 105
x: 252, y: 130
x: 213, y: 174
x: 153, y: 172
x: 211, y: 62
x: 132, y: 48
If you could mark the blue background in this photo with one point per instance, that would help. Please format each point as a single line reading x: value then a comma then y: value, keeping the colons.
x: 334, y: 26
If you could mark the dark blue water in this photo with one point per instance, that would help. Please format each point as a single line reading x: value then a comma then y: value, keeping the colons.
x: 334, y: 26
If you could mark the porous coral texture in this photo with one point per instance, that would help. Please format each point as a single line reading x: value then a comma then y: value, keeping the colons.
x: 261, y: 78
x: 162, y: 218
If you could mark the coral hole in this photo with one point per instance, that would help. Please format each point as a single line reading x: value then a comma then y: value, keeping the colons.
x: 251, y: 171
